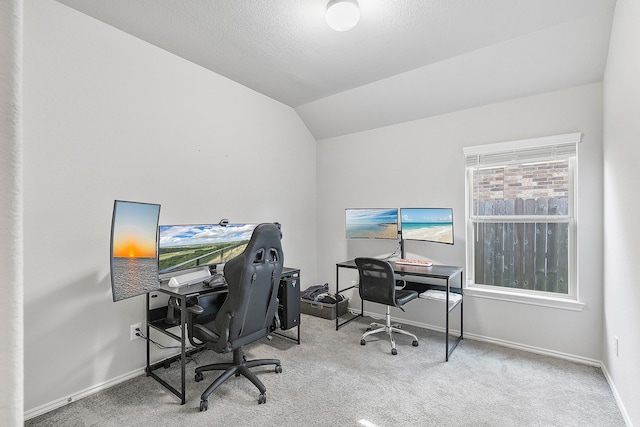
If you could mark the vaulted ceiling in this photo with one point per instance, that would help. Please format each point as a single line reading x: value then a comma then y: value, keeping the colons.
x: 405, y: 60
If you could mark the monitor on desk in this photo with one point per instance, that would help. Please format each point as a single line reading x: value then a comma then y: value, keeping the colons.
x: 371, y: 223
x: 134, y: 249
x: 427, y: 224
x: 184, y: 247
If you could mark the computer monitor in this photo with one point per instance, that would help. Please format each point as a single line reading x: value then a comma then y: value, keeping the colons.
x: 134, y: 249
x: 371, y: 223
x: 427, y: 224
x: 184, y: 247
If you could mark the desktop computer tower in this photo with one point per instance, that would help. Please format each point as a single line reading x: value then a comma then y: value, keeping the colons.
x: 289, y: 302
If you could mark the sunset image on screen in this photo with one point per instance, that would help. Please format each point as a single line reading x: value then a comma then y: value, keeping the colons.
x: 134, y: 262
x: 135, y: 228
x: 134, y: 248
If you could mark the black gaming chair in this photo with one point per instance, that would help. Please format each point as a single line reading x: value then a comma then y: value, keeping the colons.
x: 247, y: 312
x: 378, y: 284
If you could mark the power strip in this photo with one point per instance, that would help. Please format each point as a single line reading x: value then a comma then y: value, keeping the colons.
x: 189, y: 278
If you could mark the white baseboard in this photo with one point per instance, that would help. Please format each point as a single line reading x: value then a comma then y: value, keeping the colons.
x: 43, y: 409
x: 503, y: 343
x: 165, y: 354
x: 621, y: 406
x: 537, y: 350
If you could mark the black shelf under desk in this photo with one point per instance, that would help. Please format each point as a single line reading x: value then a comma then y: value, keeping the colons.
x: 451, y: 275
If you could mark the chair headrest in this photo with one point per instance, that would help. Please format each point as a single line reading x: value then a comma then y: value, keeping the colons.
x: 265, y: 244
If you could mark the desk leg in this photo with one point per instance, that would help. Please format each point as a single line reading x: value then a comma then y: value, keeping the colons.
x: 337, y: 293
x: 183, y: 354
x: 148, y: 371
x: 461, y: 303
x: 354, y: 317
x: 446, y: 338
x: 448, y: 350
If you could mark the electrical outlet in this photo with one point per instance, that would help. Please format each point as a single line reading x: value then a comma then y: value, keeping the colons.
x: 133, y: 332
x: 616, y: 346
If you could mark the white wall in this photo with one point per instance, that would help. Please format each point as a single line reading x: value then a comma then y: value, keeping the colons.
x: 421, y: 164
x: 107, y: 117
x: 11, y: 202
x: 621, y: 204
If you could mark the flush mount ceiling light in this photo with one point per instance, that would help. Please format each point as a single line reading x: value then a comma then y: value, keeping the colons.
x: 342, y: 15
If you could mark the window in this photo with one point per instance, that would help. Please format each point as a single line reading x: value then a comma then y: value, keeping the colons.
x: 521, y: 233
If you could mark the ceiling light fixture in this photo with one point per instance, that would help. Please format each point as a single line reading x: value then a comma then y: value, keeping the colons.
x: 342, y: 15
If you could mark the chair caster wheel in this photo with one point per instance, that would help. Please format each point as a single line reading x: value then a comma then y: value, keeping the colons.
x: 204, y: 405
x: 415, y: 343
x: 363, y: 342
x: 199, y: 377
x: 394, y: 351
x: 262, y: 399
x: 278, y: 369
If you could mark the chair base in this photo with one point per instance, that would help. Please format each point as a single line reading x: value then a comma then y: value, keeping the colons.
x: 389, y: 329
x: 240, y: 366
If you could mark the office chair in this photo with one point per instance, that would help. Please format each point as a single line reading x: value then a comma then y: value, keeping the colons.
x: 378, y: 284
x: 246, y: 314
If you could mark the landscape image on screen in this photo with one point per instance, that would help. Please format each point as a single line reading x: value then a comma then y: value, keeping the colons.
x: 134, y: 249
x: 429, y: 224
x: 187, y: 246
x: 370, y: 223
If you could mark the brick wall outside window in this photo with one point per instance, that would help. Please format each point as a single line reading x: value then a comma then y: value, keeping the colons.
x: 531, y: 181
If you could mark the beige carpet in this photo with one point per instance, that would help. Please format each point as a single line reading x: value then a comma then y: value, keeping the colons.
x: 331, y: 380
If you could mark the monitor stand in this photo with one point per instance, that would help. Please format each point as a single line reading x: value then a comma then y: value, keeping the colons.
x: 402, y: 251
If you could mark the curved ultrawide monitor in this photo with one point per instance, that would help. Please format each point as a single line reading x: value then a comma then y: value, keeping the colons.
x: 427, y: 224
x: 134, y: 249
x: 187, y: 246
x: 371, y: 223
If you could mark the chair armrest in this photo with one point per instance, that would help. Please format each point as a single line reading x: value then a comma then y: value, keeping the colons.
x: 195, y: 309
x: 275, y: 323
x: 401, y: 283
x: 223, y: 345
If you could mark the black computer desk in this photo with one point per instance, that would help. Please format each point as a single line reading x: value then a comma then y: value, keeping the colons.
x: 156, y: 320
x: 451, y: 275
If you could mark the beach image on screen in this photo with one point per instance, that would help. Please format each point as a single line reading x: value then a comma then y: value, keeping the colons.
x: 134, y: 265
x: 429, y: 224
x: 371, y: 223
x: 188, y: 246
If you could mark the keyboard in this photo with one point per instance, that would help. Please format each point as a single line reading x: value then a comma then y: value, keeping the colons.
x: 416, y: 262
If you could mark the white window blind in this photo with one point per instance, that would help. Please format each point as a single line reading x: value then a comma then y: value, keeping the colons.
x: 556, y: 147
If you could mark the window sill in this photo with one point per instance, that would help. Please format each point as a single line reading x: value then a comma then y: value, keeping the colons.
x: 539, y: 300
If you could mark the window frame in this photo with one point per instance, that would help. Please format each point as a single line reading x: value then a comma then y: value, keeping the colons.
x: 524, y: 152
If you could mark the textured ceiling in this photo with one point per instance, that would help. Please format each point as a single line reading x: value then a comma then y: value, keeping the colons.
x: 406, y: 59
